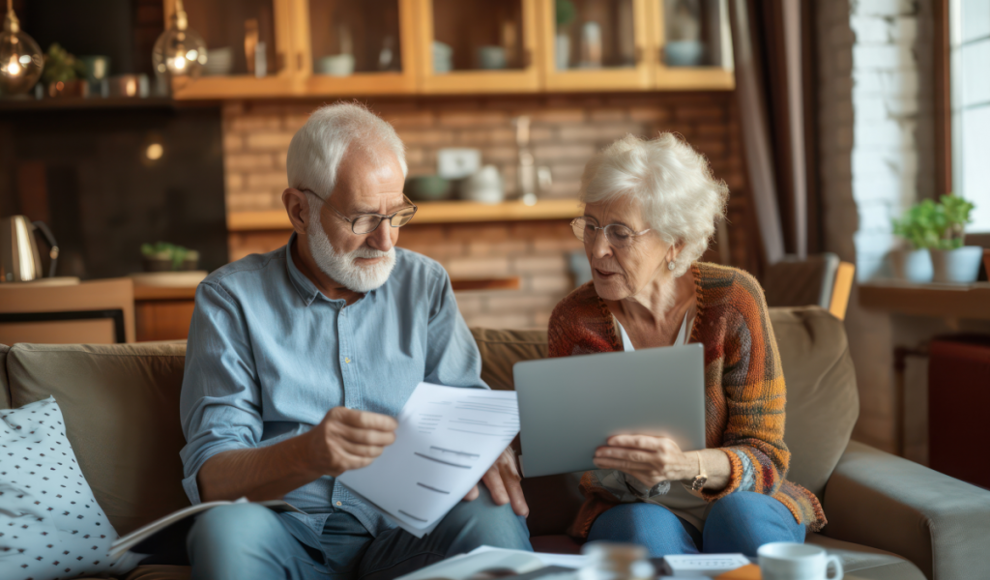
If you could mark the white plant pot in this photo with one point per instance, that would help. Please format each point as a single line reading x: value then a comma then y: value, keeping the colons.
x: 961, y: 265
x: 562, y: 51
x: 911, y: 265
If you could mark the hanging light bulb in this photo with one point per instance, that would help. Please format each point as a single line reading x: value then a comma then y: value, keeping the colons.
x: 179, y: 51
x: 21, y: 59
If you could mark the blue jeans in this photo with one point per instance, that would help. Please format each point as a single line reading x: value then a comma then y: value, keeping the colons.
x: 739, y: 522
x: 247, y: 541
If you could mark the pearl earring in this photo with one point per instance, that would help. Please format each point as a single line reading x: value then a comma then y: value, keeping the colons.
x: 671, y: 265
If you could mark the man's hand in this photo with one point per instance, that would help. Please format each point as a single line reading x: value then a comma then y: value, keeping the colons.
x: 648, y: 458
x: 502, y: 481
x: 349, y: 439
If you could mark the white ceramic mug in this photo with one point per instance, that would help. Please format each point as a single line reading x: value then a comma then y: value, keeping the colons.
x: 790, y: 561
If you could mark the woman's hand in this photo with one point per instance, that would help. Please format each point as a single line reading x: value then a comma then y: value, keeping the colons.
x: 648, y: 458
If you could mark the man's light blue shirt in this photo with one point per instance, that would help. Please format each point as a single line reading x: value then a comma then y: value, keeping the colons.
x: 269, y: 355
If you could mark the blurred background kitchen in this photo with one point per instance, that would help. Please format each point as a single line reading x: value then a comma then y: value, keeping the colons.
x: 149, y: 137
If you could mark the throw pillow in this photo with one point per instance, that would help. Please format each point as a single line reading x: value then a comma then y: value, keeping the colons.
x: 50, y: 524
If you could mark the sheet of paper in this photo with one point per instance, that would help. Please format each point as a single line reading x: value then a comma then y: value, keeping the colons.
x: 447, y: 439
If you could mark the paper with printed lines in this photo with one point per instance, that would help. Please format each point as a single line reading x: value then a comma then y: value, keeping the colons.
x: 447, y: 439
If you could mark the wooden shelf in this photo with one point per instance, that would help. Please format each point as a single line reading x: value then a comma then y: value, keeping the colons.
x: 970, y: 301
x: 436, y: 212
x: 28, y: 103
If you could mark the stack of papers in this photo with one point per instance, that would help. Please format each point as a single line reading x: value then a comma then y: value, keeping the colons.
x: 447, y: 439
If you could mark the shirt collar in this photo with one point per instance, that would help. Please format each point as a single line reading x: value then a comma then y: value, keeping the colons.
x: 304, y: 286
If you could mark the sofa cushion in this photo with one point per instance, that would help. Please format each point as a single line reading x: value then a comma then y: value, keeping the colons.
x: 500, y: 349
x: 121, y: 408
x: 822, y: 400
x: 52, y: 525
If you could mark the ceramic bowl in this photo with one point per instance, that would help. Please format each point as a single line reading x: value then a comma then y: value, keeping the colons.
x: 338, y: 65
x: 684, y: 53
x: 491, y: 57
x: 428, y: 188
x: 219, y: 61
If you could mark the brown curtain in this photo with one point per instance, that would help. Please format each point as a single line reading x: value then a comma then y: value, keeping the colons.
x: 773, y: 49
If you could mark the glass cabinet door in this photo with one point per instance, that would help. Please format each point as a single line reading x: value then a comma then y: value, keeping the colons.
x: 358, y: 47
x: 477, y: 45
x: 695, y: 44
x: 247, y: 44
x: 588, y: 44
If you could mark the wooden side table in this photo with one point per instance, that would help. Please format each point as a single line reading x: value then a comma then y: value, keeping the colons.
x: 163, y: 313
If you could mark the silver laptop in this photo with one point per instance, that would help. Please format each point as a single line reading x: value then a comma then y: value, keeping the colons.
x: 569, y: 406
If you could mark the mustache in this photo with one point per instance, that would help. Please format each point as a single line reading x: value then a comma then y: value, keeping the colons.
x: 371, y: 253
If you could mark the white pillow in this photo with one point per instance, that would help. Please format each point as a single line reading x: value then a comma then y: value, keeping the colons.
x: 50, y: 524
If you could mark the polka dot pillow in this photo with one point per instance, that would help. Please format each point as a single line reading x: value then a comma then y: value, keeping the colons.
x: 50, y: 525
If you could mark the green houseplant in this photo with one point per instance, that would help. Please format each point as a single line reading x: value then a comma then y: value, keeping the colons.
x: 64, y: 74
x: 166, y: 257
x: 934, y: 232
x: 951, y: 260
x: 918, y: 227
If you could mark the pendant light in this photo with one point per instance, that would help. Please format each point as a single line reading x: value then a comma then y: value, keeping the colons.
x: 21, y: 59
x: 180, y: 50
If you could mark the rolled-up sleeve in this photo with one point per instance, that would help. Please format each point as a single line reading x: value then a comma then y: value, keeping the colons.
x: 452, y: 356
x: 221, y: 398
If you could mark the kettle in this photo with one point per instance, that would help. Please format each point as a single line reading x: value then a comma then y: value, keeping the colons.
x: 19, y: 258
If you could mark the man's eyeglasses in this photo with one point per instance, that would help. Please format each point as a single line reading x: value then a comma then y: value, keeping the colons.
x: 618, y: 235
x: 368, y: 222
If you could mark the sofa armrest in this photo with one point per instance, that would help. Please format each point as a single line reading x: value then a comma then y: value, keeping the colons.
x: 938, y: 522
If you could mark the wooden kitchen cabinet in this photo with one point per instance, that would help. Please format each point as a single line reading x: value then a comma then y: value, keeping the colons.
x: 604, y: 43
x: 477, y: 46
x: 379, y: 34
x: 459, y: 47
x: 715, y: 71
x: 238, y: 28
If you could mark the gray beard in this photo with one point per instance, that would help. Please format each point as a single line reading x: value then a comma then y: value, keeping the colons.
x: 341, y: 267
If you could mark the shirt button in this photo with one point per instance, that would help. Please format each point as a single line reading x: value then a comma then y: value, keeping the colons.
x: 339, y: 504
x: 347, y: 360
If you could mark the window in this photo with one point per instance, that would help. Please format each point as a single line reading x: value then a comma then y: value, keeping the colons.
x: 969, y: 53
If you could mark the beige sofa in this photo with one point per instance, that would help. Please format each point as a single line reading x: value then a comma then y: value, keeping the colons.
x: 888, y: 518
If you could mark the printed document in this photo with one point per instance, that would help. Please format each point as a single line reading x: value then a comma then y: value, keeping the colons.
x: 447, y: 439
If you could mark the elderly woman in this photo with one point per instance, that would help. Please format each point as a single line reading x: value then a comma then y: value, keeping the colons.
x: 651, y: 208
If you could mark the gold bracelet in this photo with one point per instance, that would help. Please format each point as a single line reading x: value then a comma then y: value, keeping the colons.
x: 702, y: 478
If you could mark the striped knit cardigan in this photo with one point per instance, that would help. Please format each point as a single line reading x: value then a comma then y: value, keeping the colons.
x: 744, y: 384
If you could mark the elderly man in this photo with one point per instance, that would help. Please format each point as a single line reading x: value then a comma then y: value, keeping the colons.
x: 299, y: 359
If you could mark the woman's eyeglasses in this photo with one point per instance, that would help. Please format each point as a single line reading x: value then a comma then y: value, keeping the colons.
x: 618, y: 235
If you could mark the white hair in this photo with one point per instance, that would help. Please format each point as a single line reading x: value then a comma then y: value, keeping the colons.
x: 673, y: 184
x: 317, y: 149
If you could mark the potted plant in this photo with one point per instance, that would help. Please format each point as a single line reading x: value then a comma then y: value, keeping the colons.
x: 919, y: 228
x: 565, y: 13
x: 951, y: 260
x: 64, y: 75
x: 165, y: 257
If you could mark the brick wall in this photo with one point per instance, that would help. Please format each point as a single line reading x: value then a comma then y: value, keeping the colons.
x: 876, y: 139
x: 565, y: 131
